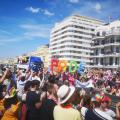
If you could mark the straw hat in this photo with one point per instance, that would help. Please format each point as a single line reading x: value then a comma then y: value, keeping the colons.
x: 64, y: 93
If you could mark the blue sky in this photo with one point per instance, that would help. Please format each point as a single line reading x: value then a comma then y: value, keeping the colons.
x: 26, y: 24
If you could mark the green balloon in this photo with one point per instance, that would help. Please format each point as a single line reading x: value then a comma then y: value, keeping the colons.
x: 71, y: 68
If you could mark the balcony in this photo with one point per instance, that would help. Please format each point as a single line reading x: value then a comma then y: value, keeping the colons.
x: 111, y: 32
x: 98, y: 37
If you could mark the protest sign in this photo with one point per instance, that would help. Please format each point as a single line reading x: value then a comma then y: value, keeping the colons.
x: 35, y: 63
x: 88, y: 84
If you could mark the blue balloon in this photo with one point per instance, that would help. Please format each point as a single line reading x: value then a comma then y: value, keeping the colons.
x: 81, y: 67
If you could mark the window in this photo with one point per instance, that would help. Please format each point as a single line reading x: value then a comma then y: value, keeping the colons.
x: 101, y: 61
x: 96, y: 52
x: 117, y: 38
x: 98, y: 34
x: 118, y: 49
x: 116, y: 61
x: 112, y: 40
x: 103, y: 33
x: 103, y: 42
x: 110, y: 61
x: 102, y: 51
x: 96, y: 42
x: 96, y: 61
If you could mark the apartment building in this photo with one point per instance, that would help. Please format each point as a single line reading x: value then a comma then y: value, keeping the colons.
x: 106, y: 46
x: 71, y: 39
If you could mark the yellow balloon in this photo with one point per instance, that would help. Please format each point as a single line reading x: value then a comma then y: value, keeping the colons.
x: 62, y: 65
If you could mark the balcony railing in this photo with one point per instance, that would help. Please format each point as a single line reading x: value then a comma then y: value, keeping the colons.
x: 115, y: 32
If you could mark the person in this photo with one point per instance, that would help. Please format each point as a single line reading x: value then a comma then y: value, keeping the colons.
x: 85, y: 105
x: 33, y: 102
x: 118, y: 110
x: 1, y: 74
x: 95, y: 103
x: 64, y: 110
x: 2, y: 94
x: 99, y: 112
x: 11, y: 105
x: 33, y: 76
x: 107, y: 109
x: 20, y: 85
x: 48, y: 104
x: 6, y: 78
x: 23, y: 107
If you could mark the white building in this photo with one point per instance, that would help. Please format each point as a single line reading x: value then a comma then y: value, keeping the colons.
x: 107, y: 46
x: 71, y: 39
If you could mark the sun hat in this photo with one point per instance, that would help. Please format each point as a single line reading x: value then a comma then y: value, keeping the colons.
x: 64, y: 93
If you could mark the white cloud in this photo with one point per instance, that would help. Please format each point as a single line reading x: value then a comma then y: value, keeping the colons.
x: 35, y: 34
x: 73, y: 1
x: 39, y: 10
x: 30, y: 32
x: 46, y: 12
x: 32, y: 27
x: 98, y: 7
x: 5, y: 32
x: 33, y: 10
x: 13, y: 39
x: 37, y: 30
x: 89, y: 9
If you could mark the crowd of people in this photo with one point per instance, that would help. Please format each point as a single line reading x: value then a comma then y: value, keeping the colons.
x: 46, y: 95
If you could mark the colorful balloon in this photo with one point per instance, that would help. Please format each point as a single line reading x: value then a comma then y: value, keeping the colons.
x: 81, y: 67
x: 73, y: 66
x: 62, y: 65
x: 54, y: 64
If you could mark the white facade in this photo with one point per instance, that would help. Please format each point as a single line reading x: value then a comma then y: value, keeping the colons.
x: 71, y: 39
x: 107, y: 46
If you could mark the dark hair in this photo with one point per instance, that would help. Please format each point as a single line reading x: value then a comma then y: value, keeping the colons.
x: 96, y: 104
x: 9, y: 75
x: 86, y: 100
x: 59, y: 83
x: 23, y: 78
x: 45, y: 86
x: 66, y: 82
x: 50, y: 88
x: 9, y: 101
x: 2, y: 87
x: 51, y: 79
x: 35, y: 83
x: 27, y: 86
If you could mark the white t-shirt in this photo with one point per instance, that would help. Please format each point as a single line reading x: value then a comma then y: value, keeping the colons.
x: 111, y: 113
x: 103, y: 114
x: 83, y: 111
x: 20, y: 87
x: 34, y: 78
x: 24, y: 97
